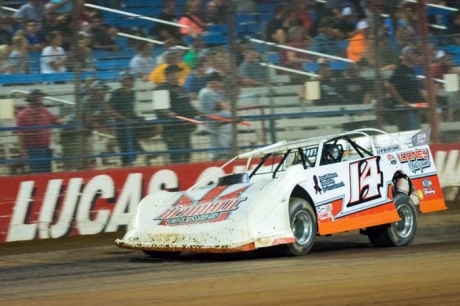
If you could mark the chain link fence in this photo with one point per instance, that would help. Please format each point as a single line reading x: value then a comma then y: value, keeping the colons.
x: 132, y: 91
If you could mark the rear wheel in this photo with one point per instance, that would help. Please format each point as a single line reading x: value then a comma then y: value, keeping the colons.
x: 304, y: 227
x: 162, y: 255
x: 397, y: 233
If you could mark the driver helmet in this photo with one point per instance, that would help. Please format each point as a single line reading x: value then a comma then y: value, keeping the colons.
x: 332, y: 153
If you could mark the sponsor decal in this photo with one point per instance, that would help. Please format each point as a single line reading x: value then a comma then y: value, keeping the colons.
x: 317, y: 188
x: 417, y: 160
x: 427, y: 183
x: 427, y: 191
x: 392, y: 159
x: 324, y: 208
x: 216, y: 205
x: 328, y: 181
x: 312, y: 152
x: 390, y: 149
x: 325, y: 215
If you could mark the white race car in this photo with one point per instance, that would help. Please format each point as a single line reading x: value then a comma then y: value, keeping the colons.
x: 365, y: 180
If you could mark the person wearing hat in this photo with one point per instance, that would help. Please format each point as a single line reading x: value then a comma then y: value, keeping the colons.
x: 176, y: 134
x: 405, y: 89
x: 95, y: 114
x: 347, y: 24
x: 358, y: 43
x: 36, y: 143
x: 130, y: 128
x: 158, y: 75
x: 213, y: 102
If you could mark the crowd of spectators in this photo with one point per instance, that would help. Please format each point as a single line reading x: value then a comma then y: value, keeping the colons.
x: 202, y: 73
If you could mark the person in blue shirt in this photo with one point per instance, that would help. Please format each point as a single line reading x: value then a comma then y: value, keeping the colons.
x: 325, y: 42
x: 196, y: 80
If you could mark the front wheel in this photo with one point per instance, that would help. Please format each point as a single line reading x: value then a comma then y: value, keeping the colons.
x: 304, y: 227
x: 398, y: 233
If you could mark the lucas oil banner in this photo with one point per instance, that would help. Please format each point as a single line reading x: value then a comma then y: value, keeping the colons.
x: 92, y: 202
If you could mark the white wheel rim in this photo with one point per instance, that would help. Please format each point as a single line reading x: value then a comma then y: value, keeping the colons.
x: 404, y: 227
x: 302, y: 227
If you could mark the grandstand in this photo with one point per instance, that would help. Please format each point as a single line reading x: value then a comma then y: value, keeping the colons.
x: 275, y: 108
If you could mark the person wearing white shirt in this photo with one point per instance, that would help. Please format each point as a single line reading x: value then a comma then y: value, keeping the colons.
x: 142, y: 64
x: 53, y: 58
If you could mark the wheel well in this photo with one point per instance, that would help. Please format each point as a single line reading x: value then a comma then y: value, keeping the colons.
x: 399, y: 185
x: 299, y: 192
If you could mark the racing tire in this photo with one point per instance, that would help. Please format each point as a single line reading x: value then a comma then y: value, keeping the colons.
x: 399, y: 233
x: 304, y: 226
x: 162, y: 255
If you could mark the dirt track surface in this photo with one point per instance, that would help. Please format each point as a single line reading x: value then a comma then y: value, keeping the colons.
x: 340, y: 270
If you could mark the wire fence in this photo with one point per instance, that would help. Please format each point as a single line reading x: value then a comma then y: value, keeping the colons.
x: 133, y: 98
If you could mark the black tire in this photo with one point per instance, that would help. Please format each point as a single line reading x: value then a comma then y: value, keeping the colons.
x: 162, y: 255
x: 399, y: 233
x: 304, y: 227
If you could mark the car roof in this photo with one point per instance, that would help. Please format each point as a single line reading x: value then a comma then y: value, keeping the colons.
x: 284, y: 145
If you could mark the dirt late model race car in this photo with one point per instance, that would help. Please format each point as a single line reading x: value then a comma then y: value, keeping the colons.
x: 365, y: 180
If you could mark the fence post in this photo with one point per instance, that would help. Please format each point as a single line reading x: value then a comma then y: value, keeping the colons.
x: 232, y: 86
x: 432, y: 103
x: 378, y: 81
x: 77, y: 82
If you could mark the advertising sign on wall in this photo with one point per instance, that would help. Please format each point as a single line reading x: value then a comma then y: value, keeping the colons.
x: 92, y: 202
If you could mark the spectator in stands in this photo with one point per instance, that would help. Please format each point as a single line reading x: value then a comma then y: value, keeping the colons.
x: 5, y: 35
x: 196, y: 80
x: 453, y: 30
x: 53, y: 22
x: 18, y: 60
x: 251, y: 73
x: 32, y: 10
x: 214, y: 102
x: 4, y: 53
x: 358, y: 43
x: 163, y: 31
x: 158, y: 75
x: 82, y: 57
x: 122, y: 104
x: 353, y: 88
x: 53, y: 58
x: 304, y: 18
x: 448, y: 101
x: 191, y: 20
x: 101, y: 35
x: 142, y: 64
x: 36, y: 143
x: 169, y: 45
x: 295, y: 59
x: 329, y: 87
x: 198, y: 49
x: 326, y: 41
x: 6, y: 20
x: 347, y: 24
x: 34, y: 36
x: 405, y: 89
x: 242, y: 45
x: 275, y: 31
x: 389, y: 57
x: 216, y: 12
x: 177, y: 135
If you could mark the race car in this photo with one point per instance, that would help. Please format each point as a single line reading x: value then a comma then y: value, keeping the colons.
x: 366, y: 180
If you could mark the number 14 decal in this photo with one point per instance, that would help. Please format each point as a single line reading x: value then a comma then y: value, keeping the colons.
x: 365, y: 181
